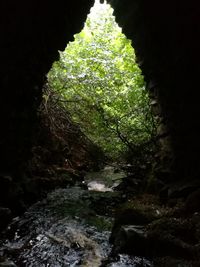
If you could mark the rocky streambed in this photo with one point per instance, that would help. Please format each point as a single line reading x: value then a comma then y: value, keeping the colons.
x: 70, y: 227
x: 101, y: 222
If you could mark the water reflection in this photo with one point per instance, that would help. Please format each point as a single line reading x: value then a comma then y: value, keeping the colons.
x: 98, y: 186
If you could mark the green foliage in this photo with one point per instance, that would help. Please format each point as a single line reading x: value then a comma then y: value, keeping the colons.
x: 101, y: 85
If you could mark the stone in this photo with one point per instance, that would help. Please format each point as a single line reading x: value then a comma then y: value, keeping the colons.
x: 171, y: 237
x: 130, y: 239
x: 161, y: 238
x: 7, y: 264
x: 128, y: 216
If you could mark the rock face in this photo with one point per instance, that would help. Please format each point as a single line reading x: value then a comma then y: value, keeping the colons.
x: 31, y: 35
x: 162, y: 235
x: 166, y: 39
x: 161, y: 238
x: 5, y: 216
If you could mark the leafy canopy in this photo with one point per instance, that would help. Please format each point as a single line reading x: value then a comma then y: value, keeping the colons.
x: 101, y: 85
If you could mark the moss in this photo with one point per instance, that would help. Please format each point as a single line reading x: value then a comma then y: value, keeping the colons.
x: 101, y: 223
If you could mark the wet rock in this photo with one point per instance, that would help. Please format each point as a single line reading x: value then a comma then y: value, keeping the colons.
x: 7, y: 264
x: 129, y: 184
x: 163, y: 237
x: 128, y: 217
x: 64, y: 225
x: 130, y: 239
x: 171, y: 237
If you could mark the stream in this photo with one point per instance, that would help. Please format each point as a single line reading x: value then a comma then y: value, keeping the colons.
x: 70, y: 227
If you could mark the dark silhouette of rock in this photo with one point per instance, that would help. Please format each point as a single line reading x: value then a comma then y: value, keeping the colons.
x: 5, y: 217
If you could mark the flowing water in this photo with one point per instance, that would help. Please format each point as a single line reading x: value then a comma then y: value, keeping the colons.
x: 71, y: 227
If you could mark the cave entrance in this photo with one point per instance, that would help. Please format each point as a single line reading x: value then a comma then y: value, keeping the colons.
x: 99, y: 89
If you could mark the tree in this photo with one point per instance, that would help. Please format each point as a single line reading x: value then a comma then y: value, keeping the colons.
x: 101, y: 85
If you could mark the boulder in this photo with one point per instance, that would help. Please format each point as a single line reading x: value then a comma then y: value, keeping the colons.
x: 128, y: 216
x: 161, y: 238
x: 130, y: 239
x: 171, y: 237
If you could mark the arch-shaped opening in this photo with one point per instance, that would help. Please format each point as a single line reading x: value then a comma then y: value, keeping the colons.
x: 98, y: 82
x: 166, y: 41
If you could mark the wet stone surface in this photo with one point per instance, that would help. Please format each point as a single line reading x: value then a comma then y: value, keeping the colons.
x: 71, y: 227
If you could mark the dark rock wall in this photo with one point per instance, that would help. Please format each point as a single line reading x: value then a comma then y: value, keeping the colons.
x: 31, y: 33
x: 166, y: 36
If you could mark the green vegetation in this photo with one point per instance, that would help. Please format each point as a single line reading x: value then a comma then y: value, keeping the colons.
x: 100, y: 84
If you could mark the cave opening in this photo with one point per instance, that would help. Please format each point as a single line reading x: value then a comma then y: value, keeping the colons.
x: 163, y: 229
x: 98, y: 82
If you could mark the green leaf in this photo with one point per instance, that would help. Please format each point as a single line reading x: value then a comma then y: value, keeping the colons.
x: 105, y: 91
